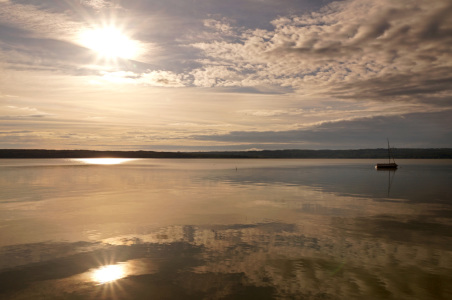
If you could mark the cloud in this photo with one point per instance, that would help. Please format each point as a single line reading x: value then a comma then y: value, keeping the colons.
x: 358, y: 50
x: 38, y: 21
x: 97, y: 4
x: 220, y: 26
x: 47, y: 35
x: 262, y: 73
x: 15, y: 132
x: 381, y: 50
x: 163, y: 79
x: 23, y: 112
x: 156, y: 78
x: 410, y: 130
x: 272, y: 113
x: 249, y: 13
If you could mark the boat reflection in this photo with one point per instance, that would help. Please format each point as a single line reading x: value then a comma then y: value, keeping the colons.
x: 390, y: 178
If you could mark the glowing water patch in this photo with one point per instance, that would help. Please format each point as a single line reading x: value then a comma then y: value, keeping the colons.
x: 108, y: 273
x: 104, y: 161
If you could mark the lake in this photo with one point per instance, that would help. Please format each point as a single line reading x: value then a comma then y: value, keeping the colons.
x: 225, y: 229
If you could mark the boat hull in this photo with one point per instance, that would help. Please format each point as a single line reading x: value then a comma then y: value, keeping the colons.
x: 386, y: 166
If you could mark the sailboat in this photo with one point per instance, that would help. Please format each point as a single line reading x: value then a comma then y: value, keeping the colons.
x: 390, y: 165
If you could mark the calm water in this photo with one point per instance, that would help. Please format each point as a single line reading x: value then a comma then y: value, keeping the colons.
x: 225, y: 229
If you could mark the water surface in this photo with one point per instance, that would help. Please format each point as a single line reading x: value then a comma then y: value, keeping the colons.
x: 225, y: 229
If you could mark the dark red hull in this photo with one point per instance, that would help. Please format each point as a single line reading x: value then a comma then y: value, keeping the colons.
x: 386, y: 166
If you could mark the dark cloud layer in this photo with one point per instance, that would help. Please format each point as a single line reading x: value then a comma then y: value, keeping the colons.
x: 412, y: 130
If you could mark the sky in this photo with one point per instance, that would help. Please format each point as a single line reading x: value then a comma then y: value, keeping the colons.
x: 215, y: 75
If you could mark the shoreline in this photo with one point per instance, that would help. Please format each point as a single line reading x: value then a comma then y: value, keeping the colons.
x: 380, y: 153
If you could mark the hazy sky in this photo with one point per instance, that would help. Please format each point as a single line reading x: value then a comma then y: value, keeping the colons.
x: 225, y: 74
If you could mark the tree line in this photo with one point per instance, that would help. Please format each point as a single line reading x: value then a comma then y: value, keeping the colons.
x: 291, y: 153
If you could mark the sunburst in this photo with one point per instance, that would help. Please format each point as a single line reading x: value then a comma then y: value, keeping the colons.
x: 109, y: 42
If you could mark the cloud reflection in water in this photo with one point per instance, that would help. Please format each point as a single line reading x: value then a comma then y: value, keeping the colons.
x: 185, y: 230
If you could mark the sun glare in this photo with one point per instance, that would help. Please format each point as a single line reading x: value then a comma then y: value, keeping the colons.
x: 109, y: 42
x: 104, y: 161
x: 108, y: 273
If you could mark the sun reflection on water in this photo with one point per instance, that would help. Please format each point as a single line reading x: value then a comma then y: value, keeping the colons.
x: 108, y: 273
x: 104, y: 161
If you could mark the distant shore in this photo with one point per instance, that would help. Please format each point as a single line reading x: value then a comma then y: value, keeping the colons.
x: 416, y: 153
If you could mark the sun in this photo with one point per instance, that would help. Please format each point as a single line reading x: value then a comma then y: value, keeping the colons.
x: 109, y: 42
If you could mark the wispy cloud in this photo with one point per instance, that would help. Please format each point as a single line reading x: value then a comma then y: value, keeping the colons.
x: 13, y: 112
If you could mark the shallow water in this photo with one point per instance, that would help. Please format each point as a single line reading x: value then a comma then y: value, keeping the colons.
x: 225, y: 229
